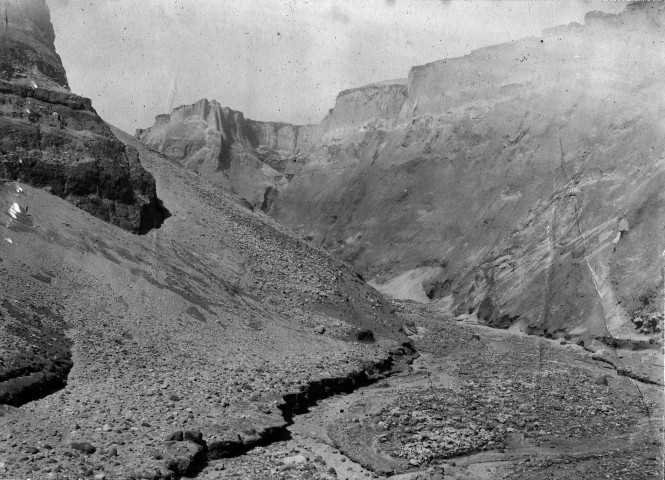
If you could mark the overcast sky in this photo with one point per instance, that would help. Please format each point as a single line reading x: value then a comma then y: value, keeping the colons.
x: 280, y: 60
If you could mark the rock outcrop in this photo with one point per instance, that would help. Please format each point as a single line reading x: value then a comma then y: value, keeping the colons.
x: 506, y: 175
x: 27, y: 51
x: 206, y: 326
x: 54, y: 139
x: 499, y: 181
x: 252, y: 159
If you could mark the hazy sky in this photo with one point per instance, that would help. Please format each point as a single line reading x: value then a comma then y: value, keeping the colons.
x: 272, y: 59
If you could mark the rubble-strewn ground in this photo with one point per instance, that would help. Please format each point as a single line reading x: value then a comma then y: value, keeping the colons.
x: 202, y: 327
x: 168, y: 334
x: 486, y: 404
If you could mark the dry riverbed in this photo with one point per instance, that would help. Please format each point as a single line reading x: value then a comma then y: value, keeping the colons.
x: 477, y: 404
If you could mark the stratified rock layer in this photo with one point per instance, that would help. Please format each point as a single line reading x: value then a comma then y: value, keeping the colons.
x: 504, y: 178
x: 54, y: 139
x: 27, y: 48
x: 252, y: 159
x: 523, y: 183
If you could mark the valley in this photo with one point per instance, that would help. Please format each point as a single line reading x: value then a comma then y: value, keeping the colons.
x: 456, y: 275
x: 521, y: 183
x: 477, y: 404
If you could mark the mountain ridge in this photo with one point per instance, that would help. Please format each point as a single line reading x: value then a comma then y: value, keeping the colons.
x: 457, y: 156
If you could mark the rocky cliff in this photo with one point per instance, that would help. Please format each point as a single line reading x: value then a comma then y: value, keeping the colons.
x: 521, y: 184
x: 27, y: 49
x: 250, y: 158
x: 54, y: 139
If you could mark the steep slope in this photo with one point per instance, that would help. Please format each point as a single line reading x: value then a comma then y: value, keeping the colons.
x: 54, y: 139
x: 214, y: 323
x: 523, y: 182
x: 250, y: 158
x: 27, y: 50
x: 144, y: 356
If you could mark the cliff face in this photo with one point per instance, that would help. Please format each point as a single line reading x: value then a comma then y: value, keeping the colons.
x: 54, y: 139
x: 501, y: 181
x: 522, y: 184
x: 252, y: 159
x: 27, y: 51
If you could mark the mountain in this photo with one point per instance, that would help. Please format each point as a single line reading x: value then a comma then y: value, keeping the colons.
x: 146, y: 356
x: 520, y: 185
x: 53, y: 139
x: 252, y: 159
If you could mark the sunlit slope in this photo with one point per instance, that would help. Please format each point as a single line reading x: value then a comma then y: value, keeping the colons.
x: 203, y: 324
x: 507, y: 176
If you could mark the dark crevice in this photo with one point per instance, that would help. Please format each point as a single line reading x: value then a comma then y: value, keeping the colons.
x: 153, y: 216
x: 625, y: 373
x: 41, y: 369
x: 637, y: 377
x: 627, y: 344
x: 300, y: 402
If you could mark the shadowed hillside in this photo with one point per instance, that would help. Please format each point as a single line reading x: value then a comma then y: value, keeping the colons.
x: 53, y: 139
x: 146, y: 356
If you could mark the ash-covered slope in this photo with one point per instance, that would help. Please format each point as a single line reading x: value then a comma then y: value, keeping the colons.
x: 220, y: 323
x: 523, y: 183
x: 53, y: 139
x: 252, y: 159
x: 146, y: 356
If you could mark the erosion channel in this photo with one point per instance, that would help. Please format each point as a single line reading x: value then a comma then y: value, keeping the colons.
x: 477, y: 403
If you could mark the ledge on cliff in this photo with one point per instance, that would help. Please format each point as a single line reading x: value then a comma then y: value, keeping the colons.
x: 55, y: 140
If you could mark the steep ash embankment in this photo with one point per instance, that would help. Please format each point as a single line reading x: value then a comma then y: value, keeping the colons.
x: 218, y: 324
x: 520, y: 185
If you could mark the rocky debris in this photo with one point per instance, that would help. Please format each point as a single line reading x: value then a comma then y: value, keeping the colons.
x: 632, y: 463
x: 146, y: 365
x: 183, y: 457
x: 84, y: 447
x: 278, y: 461
x: 601, y: 380
x: 650, y: 323
x: 481, y: 415
x: 295, y: 460
x: 478, y: 397
x: 193, y: 436
x: 36, y: 352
